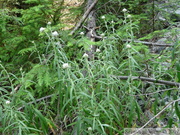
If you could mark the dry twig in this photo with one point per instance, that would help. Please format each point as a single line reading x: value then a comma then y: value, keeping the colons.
x: 148, y: 79
x: 172, y: 102
x: 155, y: 92
x: 37, y: 100
x: 83, y: 17
x: 148, y: 43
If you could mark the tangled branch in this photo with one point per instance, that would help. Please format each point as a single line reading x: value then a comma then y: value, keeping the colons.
x: 83, y: 17
x: 149, y: 80
x: 172, y: 102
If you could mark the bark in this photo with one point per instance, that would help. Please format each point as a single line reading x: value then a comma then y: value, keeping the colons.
x: 149, y: 80
x: 91, y: 27
x: 84, y: 17
x: 149, y: 43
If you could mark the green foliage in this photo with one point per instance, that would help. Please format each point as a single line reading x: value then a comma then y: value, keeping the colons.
x: 39, y: 73
x: 14, y: 121
x: 21, y: 26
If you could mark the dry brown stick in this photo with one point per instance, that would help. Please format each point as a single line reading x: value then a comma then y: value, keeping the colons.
x: 37, y: 100
x: 142, y: 42
x: 148, y: 43
x: 155, y: 92
x: 149, y: 80
x: 172, y: 102
x: 83, y: 17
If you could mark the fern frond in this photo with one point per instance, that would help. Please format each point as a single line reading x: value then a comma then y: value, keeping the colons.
x: 27, y: 50
x: 47, y: 79
x: 40, y: 74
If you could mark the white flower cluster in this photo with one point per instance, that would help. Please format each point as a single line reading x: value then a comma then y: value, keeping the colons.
x: 98, y: 50
x: 103, y: 17
x: 129, y: 16
x: 112, y: 21
x: 81, y: 33
x: 85, y: 55
x: 42, y: 29
x: 124, y: 10
x: 128, y: 46
x: 89, y: 128
x: 49, y: 23
x: 8, y: 102
x: 55, y: 34
x: 65, y: 65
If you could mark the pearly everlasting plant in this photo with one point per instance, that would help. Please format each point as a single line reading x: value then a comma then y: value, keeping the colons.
x: 55, y: 34
x: 65, y: 65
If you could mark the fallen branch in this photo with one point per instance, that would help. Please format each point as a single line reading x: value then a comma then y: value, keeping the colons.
x: 40, y: 99
x: 142, y: 42
x: 155, y: 116
x: 83, y: 17
x: 148, y: 79
x: 148, y: 43
x: 152, y: 93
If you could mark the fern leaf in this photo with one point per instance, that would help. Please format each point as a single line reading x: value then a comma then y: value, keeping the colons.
x: 47, y: 79
x: 26, y: 50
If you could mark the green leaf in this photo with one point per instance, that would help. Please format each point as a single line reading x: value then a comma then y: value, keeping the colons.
x: 31, y: 1
x: 155, y: 105
x: 178, y: 71
x: 47, y: 78
x: 138, y: 110
x: 86, y: 43
x: 44, y: 123
x: 170, y: 122
x: 177, y: 110
x: 27, y: 50
x: 69, y: 44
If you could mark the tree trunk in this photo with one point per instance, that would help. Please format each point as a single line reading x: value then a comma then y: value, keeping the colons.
x: 91, y: 27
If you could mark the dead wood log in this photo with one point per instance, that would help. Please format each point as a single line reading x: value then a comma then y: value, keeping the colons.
x: 148, y: 79
x: 90, y: 7
x: 148, y: 43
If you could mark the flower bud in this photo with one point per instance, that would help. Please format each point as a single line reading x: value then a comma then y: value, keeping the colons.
x: 129, y: 16
x: 85, y: 55
x: 49, y: 23
x: 8, y: 102
x: 65, y: 65
x: 103, y: 17
x: 42, y: 29
x: 124, y: 10
x: 128, y: 46
x: 55, y: 34
x: 98, y: 50
x: 81, y: 33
